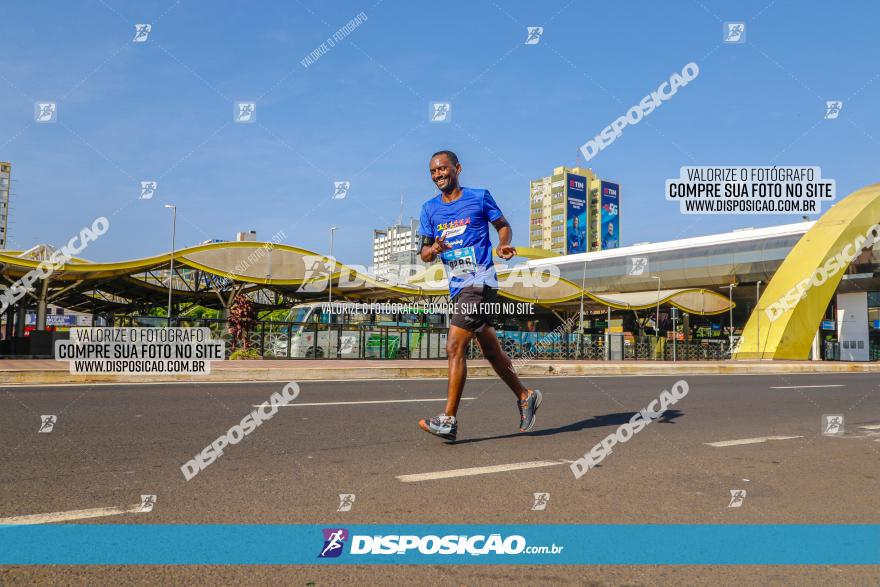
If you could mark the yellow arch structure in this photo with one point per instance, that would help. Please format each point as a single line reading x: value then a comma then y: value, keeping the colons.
x: 533, y: 253
x: 791, y: 307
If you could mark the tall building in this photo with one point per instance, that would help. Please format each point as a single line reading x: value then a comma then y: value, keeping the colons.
x: 574, y: 211
x: 5, y: 172
x: 395, y: 247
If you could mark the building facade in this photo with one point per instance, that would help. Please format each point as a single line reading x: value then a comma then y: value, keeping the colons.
x: 741, y: 265
x: 397, y: 247
x: 5, y: 186
x: 573, y: 211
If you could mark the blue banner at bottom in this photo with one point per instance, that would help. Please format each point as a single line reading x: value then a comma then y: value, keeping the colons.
x: 266, y: 544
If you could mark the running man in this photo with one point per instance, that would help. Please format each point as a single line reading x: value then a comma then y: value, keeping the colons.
x: 455, y: 226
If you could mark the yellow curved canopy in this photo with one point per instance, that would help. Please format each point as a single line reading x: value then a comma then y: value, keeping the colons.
x: 204, y: 271
x: 794, y: 302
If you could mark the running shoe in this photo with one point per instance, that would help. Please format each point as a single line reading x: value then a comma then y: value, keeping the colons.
x: 443, y: 426
x: 527, y: 409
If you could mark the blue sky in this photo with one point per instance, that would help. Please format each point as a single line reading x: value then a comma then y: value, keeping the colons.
x: 163, y: 110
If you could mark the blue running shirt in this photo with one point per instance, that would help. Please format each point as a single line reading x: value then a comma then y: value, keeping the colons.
x: 465, y: 222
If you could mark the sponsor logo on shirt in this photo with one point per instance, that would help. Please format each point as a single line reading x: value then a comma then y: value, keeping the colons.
x: 453, y: 232
x: 454, y: 223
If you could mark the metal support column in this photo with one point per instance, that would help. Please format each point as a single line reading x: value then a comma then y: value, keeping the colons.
x: 20, y: 314
x: 42, y: 303
x: 10, y: 321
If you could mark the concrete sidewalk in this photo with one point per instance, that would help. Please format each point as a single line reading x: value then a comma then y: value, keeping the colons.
x: 37, y: 371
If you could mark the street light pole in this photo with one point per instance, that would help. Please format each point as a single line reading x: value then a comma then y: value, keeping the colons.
x: 608, y: 335
x: 730, y: 336
x: 758, y: 317
x: 657, y: 317
x: 583, y: 285
x: 171, y: 273
x: 674, y: 312
x: 332, y: 266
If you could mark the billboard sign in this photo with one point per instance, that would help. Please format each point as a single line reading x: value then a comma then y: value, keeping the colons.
x: 576, y: 215
x: 52, y: 319
x: 610, y: 206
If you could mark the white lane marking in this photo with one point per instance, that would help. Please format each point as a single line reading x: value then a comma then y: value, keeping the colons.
x: 806, y: 386
x: 750, y: 440
x: 477, y: 471
x: 382, y: 401
x: 871, y: 427
x: 68, y: 516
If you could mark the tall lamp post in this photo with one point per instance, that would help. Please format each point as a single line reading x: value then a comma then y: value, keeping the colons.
x: 674, y: 312
x: 730, y: 289
x: 581, y: 329
x: 758, y: 317
x: 332, y: 266
x: 171, y: 273
x: 657, y: 317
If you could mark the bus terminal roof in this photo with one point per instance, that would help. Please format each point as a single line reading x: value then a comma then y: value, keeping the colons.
x: 278, y: 276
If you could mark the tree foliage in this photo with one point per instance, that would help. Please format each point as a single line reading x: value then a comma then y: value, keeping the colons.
x: 242, y: 318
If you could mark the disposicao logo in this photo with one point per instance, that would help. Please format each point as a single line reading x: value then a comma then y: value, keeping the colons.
x: 334, y: 541
x: 451, y: 544
x: 432, y: 544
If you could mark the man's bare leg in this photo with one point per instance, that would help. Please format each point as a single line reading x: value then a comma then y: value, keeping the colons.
x: 456, y: 352
x: 500, y: 361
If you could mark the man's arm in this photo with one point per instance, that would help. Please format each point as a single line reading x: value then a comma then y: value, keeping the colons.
x: 505, y: 234
x: 431, y: 248
x: 425, y: 253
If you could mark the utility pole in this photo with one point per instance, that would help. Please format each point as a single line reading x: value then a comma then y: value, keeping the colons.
x: 332, y: 267
x: 730, y: 337
x: 758, y: 317
x: 171, y: 271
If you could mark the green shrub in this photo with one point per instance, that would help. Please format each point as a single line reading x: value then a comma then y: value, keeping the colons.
x: 245, y: 355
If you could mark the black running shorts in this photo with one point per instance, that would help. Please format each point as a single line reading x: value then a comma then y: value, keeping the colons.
x: 473, y: 307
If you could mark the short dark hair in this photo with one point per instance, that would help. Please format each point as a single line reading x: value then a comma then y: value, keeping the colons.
x: 452, y: 156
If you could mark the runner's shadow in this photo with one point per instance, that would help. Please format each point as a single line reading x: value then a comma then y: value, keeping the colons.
x: 615, y: 420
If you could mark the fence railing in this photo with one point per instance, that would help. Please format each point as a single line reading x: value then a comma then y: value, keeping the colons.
x: 312, y: 340
x: 610, y: 347
x: 832, y: 351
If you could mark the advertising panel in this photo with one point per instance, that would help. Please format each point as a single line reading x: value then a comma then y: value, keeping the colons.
x: 52, y: 319
x: 576, y: 215
x: 610, y: 227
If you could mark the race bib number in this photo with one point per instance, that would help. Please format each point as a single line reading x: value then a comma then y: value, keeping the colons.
x: 461, y: 262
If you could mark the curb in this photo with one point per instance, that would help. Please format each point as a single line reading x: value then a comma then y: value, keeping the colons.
x: 347, y: 373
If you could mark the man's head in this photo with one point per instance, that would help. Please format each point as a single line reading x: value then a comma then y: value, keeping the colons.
x: 444, y: 168
x: 575, y: 223
x: 610, y: 229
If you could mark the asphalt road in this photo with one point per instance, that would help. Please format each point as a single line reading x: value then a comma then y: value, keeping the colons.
x: 113, y: 443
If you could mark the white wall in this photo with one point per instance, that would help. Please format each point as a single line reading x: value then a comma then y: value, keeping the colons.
x: 852, y: 326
